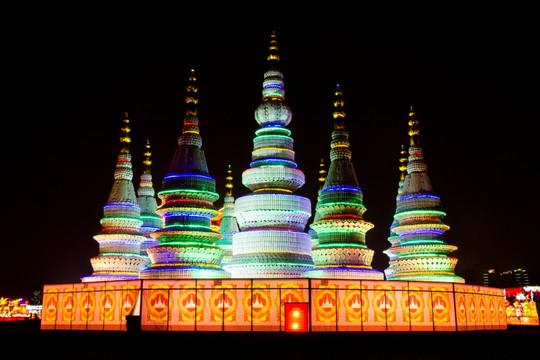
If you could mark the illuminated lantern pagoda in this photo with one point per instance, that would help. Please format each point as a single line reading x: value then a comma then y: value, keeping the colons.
x: 147, y: 203
x: 228, y: 225
x: 420, y: 253
x: 394, y: 238
x: 317, y: 216
x: 272, y: 242
x: 186, y: 247
x: 341, y: 252
x: 120, y: 239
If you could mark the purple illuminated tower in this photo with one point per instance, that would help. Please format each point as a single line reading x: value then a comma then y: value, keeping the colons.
x: 418, y: 251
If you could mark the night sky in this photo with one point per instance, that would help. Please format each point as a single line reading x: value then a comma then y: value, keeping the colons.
x: 68, y: 85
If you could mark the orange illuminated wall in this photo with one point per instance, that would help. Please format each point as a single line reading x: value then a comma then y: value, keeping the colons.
x: 219, y: 305
x: 264, y: 304
x: 90, y: 306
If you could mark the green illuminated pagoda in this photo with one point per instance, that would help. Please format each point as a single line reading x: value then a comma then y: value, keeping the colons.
x: 341, y: 252
x: 120, y: 238
x: 187, y: 247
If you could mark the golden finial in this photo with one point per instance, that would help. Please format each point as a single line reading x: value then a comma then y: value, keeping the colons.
x: 403, y: 162
x: 228, y: 182
x: 147, y: 161
x: 273, y: 48
x: 322, y: 174
x: 191, y: 97
x: 125, y: 139
x: 339, y: 113
x: 413, y: 130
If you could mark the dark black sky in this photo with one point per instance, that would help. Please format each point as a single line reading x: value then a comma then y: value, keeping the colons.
x: 474, y: 88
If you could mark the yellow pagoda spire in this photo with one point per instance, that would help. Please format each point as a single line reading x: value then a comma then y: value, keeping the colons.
x: 413, y: 128
x: 273, y: 56
x: 322, y: 174
x: 403, y: 162
x: 339, y: 113
x: 125, y: 138
x: 229, y: 182
x: 147, y: 160
x: 191, y: 97
x: 190, y: 132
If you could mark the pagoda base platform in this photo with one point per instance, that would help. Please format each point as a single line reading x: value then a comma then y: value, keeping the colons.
x: 273, y: 305
x: 182, y: 272
x: 342, y: 273
x: 421, y: 277
x: 109, y: 277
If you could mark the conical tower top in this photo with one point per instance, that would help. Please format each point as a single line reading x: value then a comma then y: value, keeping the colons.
x: 147, y: 159
x: 413, y: 128
x: 125, y: 138
x: 229, y: 182
x: 339, y: 113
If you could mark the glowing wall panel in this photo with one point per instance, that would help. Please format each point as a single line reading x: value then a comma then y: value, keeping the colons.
x: 219, y: 305
x: 156, y: 301
x: 479, y: 308
x: 344, y: 305
x: 90, y: 306
x: 441, y: 307
x: 415, y: 302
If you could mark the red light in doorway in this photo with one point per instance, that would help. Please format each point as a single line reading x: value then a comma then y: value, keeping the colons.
x: 296, y: 317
